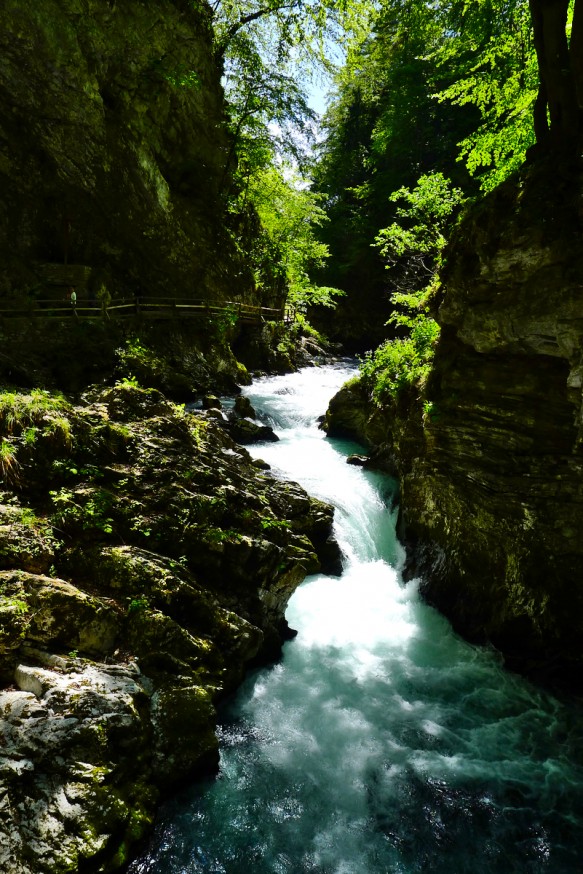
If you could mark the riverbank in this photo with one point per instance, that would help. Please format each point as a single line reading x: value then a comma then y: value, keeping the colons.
x: 145, y: 561
x: 381, y: 741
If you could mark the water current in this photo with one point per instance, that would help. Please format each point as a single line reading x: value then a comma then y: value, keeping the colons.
x: 382, y: 742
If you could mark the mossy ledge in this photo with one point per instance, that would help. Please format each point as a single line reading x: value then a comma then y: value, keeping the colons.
x: 145, y: 561
x: 489, y: 451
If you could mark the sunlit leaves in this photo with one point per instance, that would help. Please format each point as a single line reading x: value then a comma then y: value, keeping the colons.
x: 289, y: 214
x: 423, y: 218
x: 412, y: 246
x: 493, y: 52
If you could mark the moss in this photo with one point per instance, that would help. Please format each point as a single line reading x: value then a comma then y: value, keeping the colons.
x: 230, y: 545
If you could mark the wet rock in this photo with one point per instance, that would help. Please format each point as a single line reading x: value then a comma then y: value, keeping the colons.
x: 246, y: 431
x: 244, y: 408
x: 62, y: 796
x: 216, y: 414
x: 174, y: 563
x: 260, y: 464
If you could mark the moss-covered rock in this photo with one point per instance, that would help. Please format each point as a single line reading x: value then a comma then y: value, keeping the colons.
x: 145, y: 563
x: 491, y: 463
x: 67, y: 794
x: 125, y: 175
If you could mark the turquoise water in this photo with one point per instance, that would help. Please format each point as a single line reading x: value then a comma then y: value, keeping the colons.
x: 381, y: 742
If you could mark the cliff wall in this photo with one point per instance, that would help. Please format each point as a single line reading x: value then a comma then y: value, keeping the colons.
x: 491, y: 467
x: 113, y: 149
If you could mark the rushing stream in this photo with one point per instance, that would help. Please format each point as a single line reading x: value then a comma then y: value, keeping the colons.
x: 381, y: 742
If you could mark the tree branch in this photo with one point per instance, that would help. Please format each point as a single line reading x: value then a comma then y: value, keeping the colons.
x: 252, y: 16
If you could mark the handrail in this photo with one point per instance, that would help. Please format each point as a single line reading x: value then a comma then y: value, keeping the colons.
x: 160, y: 307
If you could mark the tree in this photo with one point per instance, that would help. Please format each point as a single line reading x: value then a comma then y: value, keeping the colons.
x: 289, y: 214
x: 384, y: 130
x: 559, y: 103
x: 266, y: 47
x: 490, y: 47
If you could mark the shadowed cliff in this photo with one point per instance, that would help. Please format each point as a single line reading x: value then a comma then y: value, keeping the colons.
x: 113, y: 149
x: 492, y: 472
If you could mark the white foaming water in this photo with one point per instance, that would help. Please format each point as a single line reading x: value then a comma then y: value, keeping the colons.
x: 381, y: 742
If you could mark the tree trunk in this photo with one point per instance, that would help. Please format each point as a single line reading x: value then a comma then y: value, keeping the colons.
x: 557, y: 80
x: 576, y: 52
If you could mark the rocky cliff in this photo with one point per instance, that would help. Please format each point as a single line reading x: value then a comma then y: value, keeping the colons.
x: 491, y: 467
x: 113, y: 150
x: 145, y: 560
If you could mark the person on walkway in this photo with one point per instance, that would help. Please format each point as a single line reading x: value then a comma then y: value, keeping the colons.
x: 73, y: 299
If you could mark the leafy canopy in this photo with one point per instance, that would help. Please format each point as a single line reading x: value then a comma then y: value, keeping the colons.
x: 289, y: 214
x: 489, y: 44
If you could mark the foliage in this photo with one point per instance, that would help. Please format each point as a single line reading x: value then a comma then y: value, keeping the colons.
x: 266, y: 47
x: 289, y: 214
x: 86, y: 510
x: 420, y: 235
x: 221, y: 324
x: 492, y: 50
x: 382, y: 132
x: 270, y: 50
x: 412, y: 245
x: 136, y: 360
x: 431, y: 88
x: 131, y: 381
x: 136, y: 605
x: 21, y: 412
x: 398, y: 364
x: 23, y: 417
x: 418, y: 238
x: 9, y: 466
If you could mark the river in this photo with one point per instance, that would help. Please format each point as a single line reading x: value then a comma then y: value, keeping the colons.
x: 381, y: 743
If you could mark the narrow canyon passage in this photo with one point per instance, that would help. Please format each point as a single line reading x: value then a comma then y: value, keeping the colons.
x: 381, y: 742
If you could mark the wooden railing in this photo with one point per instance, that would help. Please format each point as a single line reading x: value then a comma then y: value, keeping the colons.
x: 148, y: 307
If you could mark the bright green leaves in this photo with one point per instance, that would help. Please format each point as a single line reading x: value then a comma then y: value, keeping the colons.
x: 412, y: 248
x: 306, y: 26
x: 493, y: 54
x: 428, y: 210
x: 290, y: 213
x: 399, y: 364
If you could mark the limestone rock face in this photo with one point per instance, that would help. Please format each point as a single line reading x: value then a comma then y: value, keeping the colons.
x: 113, y: 149
x: 491, y: 468
x: 496, y: 495
x: 62, y: 796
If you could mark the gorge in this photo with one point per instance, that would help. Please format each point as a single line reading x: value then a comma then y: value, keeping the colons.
x: 381, y: 741
x: 163, y: 151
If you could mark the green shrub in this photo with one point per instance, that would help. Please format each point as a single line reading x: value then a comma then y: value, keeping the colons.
x: 398, y: 364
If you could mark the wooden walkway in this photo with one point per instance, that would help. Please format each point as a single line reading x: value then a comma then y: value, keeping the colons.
x: 143, y: 307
